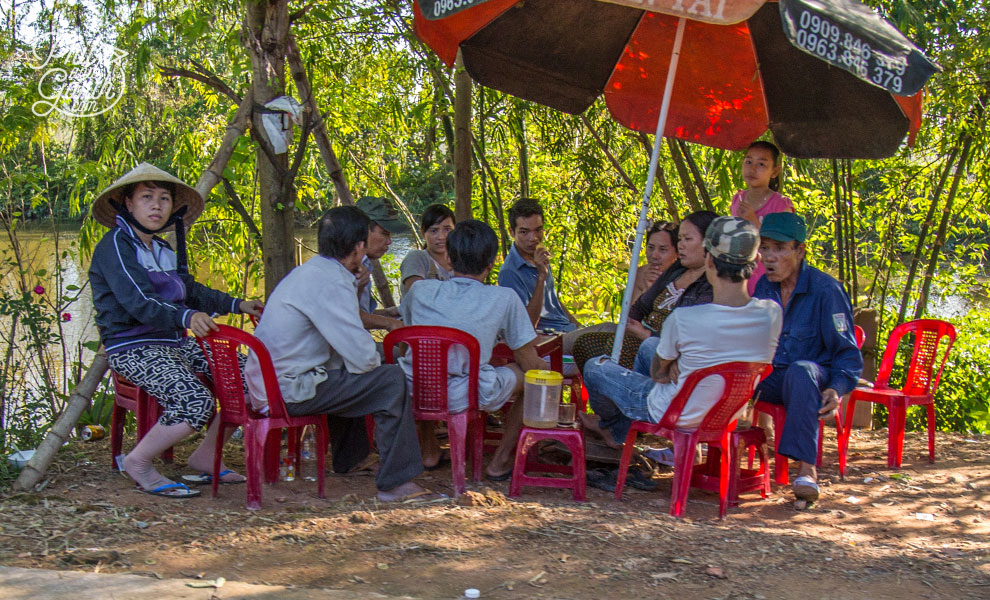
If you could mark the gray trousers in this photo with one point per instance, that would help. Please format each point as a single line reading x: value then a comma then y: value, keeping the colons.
x: 380, y: 392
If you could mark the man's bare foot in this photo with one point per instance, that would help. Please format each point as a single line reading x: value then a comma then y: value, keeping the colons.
x: 590, y: 423
x: 407, y: 491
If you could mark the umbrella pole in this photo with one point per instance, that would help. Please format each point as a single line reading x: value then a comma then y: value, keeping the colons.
x: 654, y: 158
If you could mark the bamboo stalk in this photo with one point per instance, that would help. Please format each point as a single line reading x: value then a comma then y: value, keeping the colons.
x: 696, y: 173
x: 686, y: 184
x: 923, y: 234
x: 943, y: 227
x: 462, y: 140
x: 839, y: 244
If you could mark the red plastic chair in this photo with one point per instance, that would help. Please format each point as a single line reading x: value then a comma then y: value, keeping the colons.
x: 429, y: 346
x: 715, y: 429
x: 129, y: 397
x: 778, y: 414
x: 262, y: 433
x: 919, y: 386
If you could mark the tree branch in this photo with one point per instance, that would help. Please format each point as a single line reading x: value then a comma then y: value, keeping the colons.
x: 206, y: 79
x: 238, y: 206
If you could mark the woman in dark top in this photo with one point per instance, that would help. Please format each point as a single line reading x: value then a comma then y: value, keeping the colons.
x: 683, y: 284
x: 145, y: 299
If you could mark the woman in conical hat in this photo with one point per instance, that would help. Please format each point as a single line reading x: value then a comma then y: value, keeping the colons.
x: 145, y: 299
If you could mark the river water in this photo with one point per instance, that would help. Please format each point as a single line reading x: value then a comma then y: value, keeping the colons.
x: 44, y: 249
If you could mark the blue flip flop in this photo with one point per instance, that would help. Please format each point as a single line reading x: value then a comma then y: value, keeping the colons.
x: 171, y: 490
x: 207, y: 479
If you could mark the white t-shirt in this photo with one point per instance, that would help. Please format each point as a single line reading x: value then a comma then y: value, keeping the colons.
x: 710, y: 334
x: 487, y: 312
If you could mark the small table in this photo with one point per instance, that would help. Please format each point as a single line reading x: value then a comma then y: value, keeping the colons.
x: 547, y: 346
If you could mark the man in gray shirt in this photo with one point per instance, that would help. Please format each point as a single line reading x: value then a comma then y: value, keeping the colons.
x: 326, y: 362
x: 490, y: 314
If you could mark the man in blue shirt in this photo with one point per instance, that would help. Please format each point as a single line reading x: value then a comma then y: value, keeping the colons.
x: 817, y: 360
x: 527, y: 271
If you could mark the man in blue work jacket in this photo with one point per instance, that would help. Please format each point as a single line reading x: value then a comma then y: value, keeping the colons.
x: 817, y: 360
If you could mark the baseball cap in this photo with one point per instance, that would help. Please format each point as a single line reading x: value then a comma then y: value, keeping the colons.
x: 784, y: 227
x: 732, y: 240
x: 381, y: 212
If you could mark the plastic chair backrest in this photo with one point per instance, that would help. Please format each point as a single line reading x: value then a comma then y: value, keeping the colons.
x: 928, y: 333
x: 860, y: 336
x: 430, y: 347
x: 740, y: 381
x: 220, y: 348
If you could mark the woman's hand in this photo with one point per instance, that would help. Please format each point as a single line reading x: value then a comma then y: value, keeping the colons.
x: 636, y: 328
x: 251, y: 307
x: 201, y: 324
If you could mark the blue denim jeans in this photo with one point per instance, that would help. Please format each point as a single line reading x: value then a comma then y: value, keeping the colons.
x: 617, y: 395
x: 644, y: 356
x: 798, y: 387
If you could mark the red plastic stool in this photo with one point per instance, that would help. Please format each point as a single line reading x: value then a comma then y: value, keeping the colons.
x: 706, y: 475
x: 573, y: 439
x: 129, y: 397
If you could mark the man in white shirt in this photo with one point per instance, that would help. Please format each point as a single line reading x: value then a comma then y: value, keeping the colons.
x: 733, y: 327
x: 326, y: 362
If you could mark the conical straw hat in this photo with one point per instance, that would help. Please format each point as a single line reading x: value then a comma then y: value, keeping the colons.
x: 106, y: 214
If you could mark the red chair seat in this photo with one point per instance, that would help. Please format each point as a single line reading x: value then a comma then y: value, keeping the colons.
x: 429, y: 347
x: 919, y: 386
x: 715, y: 429
x: 262, y: 434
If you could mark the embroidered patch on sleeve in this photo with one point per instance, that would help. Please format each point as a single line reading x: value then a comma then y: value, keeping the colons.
x: 839, y: 320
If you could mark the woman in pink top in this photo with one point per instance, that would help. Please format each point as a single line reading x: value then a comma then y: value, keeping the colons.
x: 761, y: 172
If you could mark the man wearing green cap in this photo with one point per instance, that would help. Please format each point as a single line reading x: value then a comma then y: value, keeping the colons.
x: 384, y: 222
x: 817, y: 360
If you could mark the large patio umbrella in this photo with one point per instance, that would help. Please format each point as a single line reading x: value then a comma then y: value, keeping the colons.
x: 829, y: 79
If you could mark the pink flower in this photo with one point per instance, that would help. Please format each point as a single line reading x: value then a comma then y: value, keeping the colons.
x: 39, y: 290
x: 66, y: 317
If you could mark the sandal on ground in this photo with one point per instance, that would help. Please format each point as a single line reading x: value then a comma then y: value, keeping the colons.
x: 418, y: 497
x: 805, y: 488
x: 641, y: 481
x: 171, y: 490
x: 207, y: 479
x: 442, y: 462
x: 501, y: 477
x: 603, y: 479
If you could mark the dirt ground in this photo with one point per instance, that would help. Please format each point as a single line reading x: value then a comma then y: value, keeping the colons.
x: 920, y: 532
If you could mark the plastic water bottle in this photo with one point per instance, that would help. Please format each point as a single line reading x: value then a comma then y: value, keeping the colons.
x: 287, y: 468
x: 307, y: 457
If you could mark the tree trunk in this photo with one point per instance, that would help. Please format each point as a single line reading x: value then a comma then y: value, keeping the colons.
x: 523, y: 146
x: 462, y: 141
x: 330, y: 161
x: 699, y: 181
x: 79, y: 399
x: 644, y: 140
x: 839, y: 221
x: 686, y: 184
x: 267, y: 40
x: 923, y: 234
x: 943, y: 227
x: 851, y: 259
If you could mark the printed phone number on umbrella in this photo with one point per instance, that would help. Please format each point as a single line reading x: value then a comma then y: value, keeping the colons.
x: 442, y: 7
x: 822, y: 37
